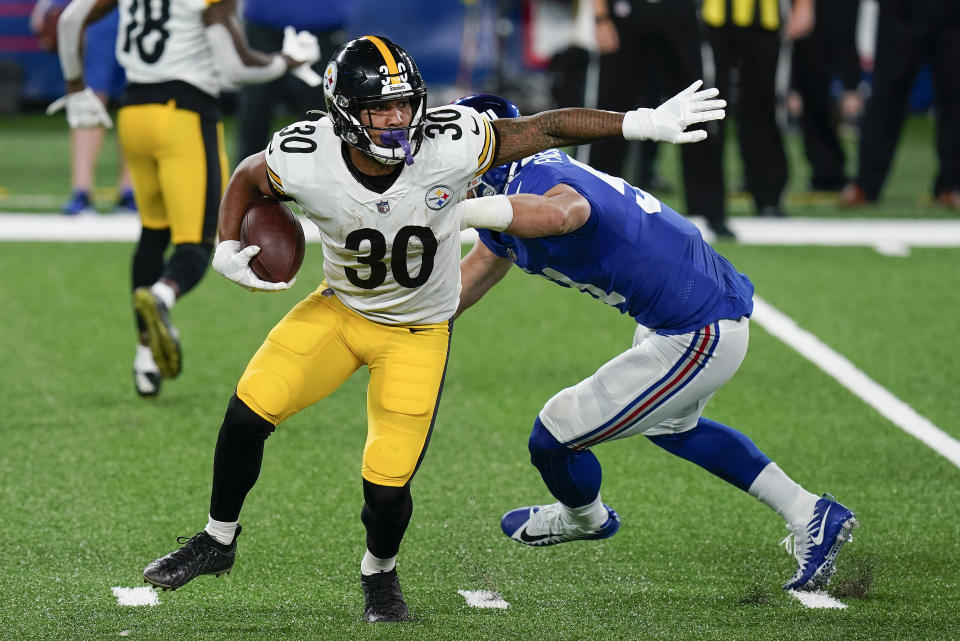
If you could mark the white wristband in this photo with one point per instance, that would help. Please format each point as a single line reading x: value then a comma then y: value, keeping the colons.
x: 638, y: 124
x: 490, y: 212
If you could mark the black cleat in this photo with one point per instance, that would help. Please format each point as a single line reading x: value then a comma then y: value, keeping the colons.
x: 200, y: 554
x: 382, y: 599
x: 162, y: 336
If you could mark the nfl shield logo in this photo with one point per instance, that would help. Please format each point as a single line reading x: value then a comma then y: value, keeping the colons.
x: 383, y: 207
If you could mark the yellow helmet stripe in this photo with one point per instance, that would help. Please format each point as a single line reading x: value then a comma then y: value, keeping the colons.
x: 387, y: 57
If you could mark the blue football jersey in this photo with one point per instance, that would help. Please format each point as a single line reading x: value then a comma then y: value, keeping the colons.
x: 633, y: 253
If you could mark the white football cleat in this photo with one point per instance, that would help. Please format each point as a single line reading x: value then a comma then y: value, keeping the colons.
x: 541, y: 525
x: 816, y: 542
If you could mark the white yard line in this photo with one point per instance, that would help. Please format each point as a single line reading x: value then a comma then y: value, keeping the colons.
x: 817, y: 600
x: 483, y: 599
x: 136, y: 596
x: 889, y: 236
x: 848, y: 375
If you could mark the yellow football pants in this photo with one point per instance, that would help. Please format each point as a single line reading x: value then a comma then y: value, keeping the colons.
x: 178, y: 165
x: 320, y: 343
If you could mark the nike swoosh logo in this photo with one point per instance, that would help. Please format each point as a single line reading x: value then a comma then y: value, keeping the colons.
x: 531, y: 538
x: 414, y: 330
x: 817, y: 540
x: 476, y: 127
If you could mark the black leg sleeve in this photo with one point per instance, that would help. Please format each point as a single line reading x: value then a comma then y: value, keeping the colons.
x: 148, y: 256
x: 237, y: 460
x: 188, y: 264
x: 386, y: 513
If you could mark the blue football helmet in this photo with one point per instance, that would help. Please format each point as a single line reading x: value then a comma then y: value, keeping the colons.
x: 491, y: 107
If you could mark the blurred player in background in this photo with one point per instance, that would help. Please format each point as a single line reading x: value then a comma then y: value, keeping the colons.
x: 379, y: 175
x: 624, y: 247
x: 105, y: 76
x: 263, y: 23
x: 177, y: 56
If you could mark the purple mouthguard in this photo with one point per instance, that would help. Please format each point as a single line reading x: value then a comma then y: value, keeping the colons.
x: 398, y: 138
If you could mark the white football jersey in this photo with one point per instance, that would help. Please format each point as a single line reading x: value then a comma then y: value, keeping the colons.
x: 163, y: 40
x: 392, y: 257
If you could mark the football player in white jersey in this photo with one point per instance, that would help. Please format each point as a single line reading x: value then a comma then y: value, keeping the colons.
x: 379, y: 174
x: 177, y: 55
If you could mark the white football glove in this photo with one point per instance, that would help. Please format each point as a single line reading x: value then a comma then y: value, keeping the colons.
x: 84, y: 110
x: 234, y: 263
x: 301, y: 46
x: 668, y: 121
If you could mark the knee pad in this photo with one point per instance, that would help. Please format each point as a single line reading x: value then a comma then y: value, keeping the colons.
x: 543, y: 445
x: 188, y: 264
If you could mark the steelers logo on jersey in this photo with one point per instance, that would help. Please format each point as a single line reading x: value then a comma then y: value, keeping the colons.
x: 438, y: 196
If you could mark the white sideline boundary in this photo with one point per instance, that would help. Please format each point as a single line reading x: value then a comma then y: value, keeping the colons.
x: 855, y: 380
x: 889, y: 236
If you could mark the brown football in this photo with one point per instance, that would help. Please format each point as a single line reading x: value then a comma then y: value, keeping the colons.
x: 271, y: 225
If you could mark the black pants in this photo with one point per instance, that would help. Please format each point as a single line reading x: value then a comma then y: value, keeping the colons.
x: 909, y: 32
x: 659, y: 56
x: 827, y: 53
x: 257, y: 104
x: 753, y: 51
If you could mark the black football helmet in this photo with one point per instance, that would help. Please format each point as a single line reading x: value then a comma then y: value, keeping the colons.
x: 365, y: 71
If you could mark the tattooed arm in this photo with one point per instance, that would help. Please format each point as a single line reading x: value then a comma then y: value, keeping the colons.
x: 521, y: 137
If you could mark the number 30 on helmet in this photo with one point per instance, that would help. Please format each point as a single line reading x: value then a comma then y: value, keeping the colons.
x: 371, y: 70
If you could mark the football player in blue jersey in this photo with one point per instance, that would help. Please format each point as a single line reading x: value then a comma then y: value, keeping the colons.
x: 587, y: 230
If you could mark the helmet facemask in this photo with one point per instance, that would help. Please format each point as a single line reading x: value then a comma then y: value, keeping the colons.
x: 396, y: 143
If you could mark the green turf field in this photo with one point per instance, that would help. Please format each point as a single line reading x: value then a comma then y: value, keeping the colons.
x: 96, y: 482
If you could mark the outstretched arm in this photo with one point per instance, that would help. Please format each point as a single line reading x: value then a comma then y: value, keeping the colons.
x: 480, y: 270
x: 70, y: 26
x: 521, y: 137
x: 560, y: 210
x: 84, y: 109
